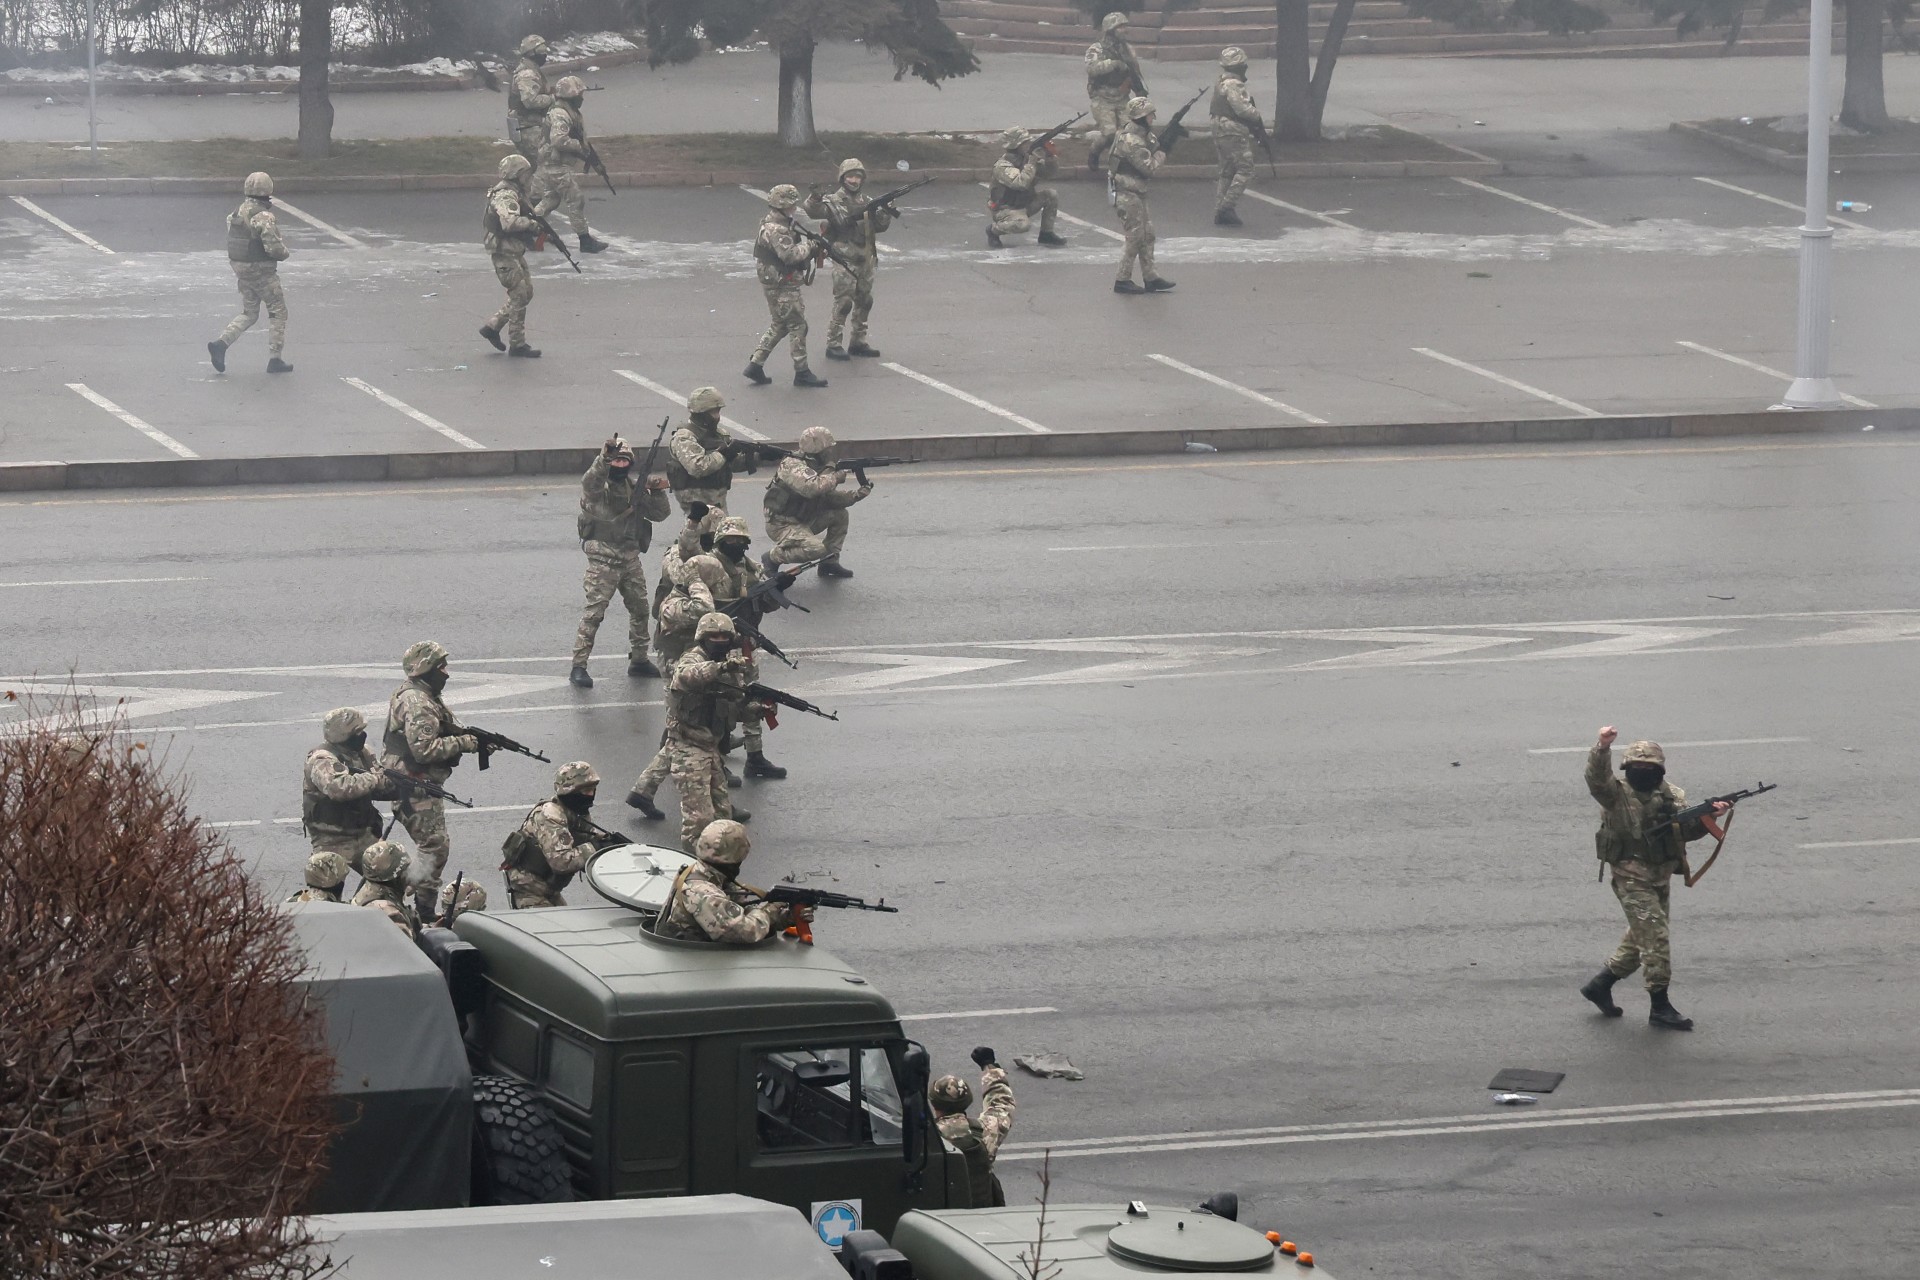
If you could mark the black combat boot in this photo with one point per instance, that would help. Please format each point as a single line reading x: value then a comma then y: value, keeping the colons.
x: 808, y: 378
x: 733, y: 779
x: 993, y: 239
x: 862, y: 349
x: 1053, y: 241
x: 832, y: 568
x: 217, y: 352
x: 741, y: 815
x: 1126, y: 286
x: 588, y: 244
x: 492, y: 335
x: 524, y: 352
x: 1599, y: 989
x: 755, y: 374
x: 837, y: 353
x: 758, y: 766
x: 1663, y: 1014
x: 1226, y: 218
x: 276, y: 365
x: 1159, y: 284
x: 642, y: 666
x: 578, y: 677
x: 644, y: 803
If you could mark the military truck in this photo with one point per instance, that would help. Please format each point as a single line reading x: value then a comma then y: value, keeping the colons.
x: 607, y: 1062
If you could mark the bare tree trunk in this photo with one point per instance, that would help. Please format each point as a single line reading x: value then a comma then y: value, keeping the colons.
x: 1864, y: 104
x: 796, y: 96
x: 316, y: 108
x: 1293, y: 116
x: 1329, y: 55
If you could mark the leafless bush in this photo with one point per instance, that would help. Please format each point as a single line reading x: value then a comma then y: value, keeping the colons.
x: 163, y: 1091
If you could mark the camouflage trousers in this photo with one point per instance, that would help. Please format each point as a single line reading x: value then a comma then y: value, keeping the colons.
x: 795, y: 542
x: 511, y: 269
x: 1648, y: 939
x: 259, y: 283
x: 525, y: 890
x: 1106, y: 120
x: 716, y: 499
x: 348, y: 844
x: 1013, y: 218
x: 426, y: 822
x: 852, y: 301
x: 1137, y: 222
x: 558, y: 189
x: 789, y: 312
x: 609, y: 569
x: 1235, y: 149
x: 701, y: 779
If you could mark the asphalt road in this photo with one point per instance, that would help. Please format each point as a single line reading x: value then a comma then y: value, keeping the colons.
x: 1251, y: 784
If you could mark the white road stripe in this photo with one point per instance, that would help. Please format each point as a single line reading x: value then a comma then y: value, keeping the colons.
x: 152, y: 433
x: 318, y: 225
x: 1757, y: 367
x: 1505, y: 381
x: 1708, y: 742
x: 67, y: 227
x: 977, y: 1013
x: 1175, y: 546
x: 222, y: 826
x: 1531, y: 204
x: 1239, y: 390
x: 1443, y: 1125
x: 1064, y: 216
x: 425, y: 420
x: 975, y: 401
x: 669, y: 393
x: 98, y: 582
x: 1859, y: 844
x: 1784, y: 204
x: 1327, y: 218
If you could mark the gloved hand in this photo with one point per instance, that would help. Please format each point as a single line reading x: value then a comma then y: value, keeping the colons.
x: 786, y: 580
x: 983, y: 1057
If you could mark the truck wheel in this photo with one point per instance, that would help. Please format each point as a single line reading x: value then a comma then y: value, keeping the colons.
x: 518, y: 1155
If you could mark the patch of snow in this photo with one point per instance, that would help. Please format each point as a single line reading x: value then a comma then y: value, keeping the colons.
x: 588, y: 44
x: 211, y: 73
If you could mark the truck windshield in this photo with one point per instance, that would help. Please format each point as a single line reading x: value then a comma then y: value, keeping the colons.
x: 806, y: 1099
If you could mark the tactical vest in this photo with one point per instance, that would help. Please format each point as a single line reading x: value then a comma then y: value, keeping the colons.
x: 514, y: 102
x: 1000, y: 194
x: 1122, y: 166
x: 1657, y: 845
x: 617, y: 526
x: 983, y: 1187
x: 710, y: 709
x: 243, y: 238
x: 1110, y: 79
x: 764, y: 254
x: 395, y: 740
x: 784, y: 502
x: 1218, y: 107
x: 320, y: 810
x: 521, y: 852
x: 679, y: 478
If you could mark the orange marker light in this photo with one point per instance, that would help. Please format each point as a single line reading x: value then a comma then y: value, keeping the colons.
x: 1305, y: 1259
x: 1273, y: 1238
x: 1289, y: 1247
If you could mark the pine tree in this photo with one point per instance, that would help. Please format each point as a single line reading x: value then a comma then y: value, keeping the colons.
x: 910, y: 30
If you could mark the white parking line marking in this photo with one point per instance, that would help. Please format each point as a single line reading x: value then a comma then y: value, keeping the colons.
x: 1327, y: 218
x: 1505, y: 381
x: 1531, y: 204
x: 224, y: 826
x: 318, y: 225
x: 1858, y: 844
x: 670, y: 394
x: 1784, y: 204
x: 975, y: 401
x: 98, y: 582
x: 1239, y: 390
x: 425, y: 420
x: 1173, y: 546
x: 67, y: 227
x: 977, y: 1013
x: 1706, y: 742
x: 1287, y: 1135
x: 152, y: 433
x: 1757, y: 367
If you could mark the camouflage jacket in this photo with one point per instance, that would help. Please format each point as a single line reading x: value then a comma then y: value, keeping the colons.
x: 704, y: 697
x: 779, y: 253
x: 551, y: 847
x: 508, y: 228
x: 708, y: 903
x: 996, y: 1113
x: 695, y: 463
x: 1630, y: 839
x: 253, y: 234
x: 338, y: 788
x: 1113, y: 72
x: 419, y: 736
x: 851, y: 224
x: 612, y: 514
x: 1232, y: 107
x: 1015, y: 174
x: 562, y: 142
x: 311, y: 894
x: 1132, y: 159
x: 804, y: 491
x: 527, y: 97
x: 393, y: 899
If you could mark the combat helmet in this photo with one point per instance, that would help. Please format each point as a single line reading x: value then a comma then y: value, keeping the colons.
x: 1014, y: 138
x: 816, y: 441
x: 570, y: 87
x: 533, y: 46
x: 1139, y: 108
x: 515, y: 167
x: 723, y: 843
x: 732, y: 527
x: 1233, y: 56
x: 785, y: 196
x: 258, y: 184
x: 575, y: 775
x: 473, y: 897
x: 713, y: 623
x: 326, y: 871
x: 850, y: 165
x: 423, y: 656
x: 1644, y: 752
x: 1113, y: 22
x: 950, y: 1095
x: 342, y: 723
x: 705, y: 400
x: 384, y: 862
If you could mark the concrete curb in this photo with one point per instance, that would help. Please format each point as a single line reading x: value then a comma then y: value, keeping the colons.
x: 1779, y: 158
x: 397, y: 84
x: 25, y: 477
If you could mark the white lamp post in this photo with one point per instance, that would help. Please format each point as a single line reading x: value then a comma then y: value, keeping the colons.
x: 93, y: 128
x: 1812, y: 385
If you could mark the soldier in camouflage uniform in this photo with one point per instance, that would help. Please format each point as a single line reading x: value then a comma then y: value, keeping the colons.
x: 704, y: 697
x: 565, y: 141
x: 853, y: 227
x: 740, y: 574
x: 615, y: 524
x: 702, y: 455
x: 1643, y: 850
x: 1131, y: 165
x: 806, y: 507
x: 553, y: 842
x: 978, y: 1141
x: 528, y: 100
x: 510, y: 233
x: 696, y: 579
x: 338, y: 786
x: 1016, y: 194
x: 385, y: 867
x: 420, y: 739
x: 785, y: 262
x: 1236, y: 123
x: 255, y: 251
x: 709, y: 904
x: 683, y: 548
x: 1113, y: 78
x: 326, y: 872
x: 473, y: 897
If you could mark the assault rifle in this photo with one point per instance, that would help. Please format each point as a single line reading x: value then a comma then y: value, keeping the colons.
x: 1704, y: 810
x: 773, y: 590
x: 453, y: 902
x: 639, y: 494
x: 491, y: 742
x: 800, y: 896
x: 757, y: 450
x: 595, y: 166
x: 1175, y: 130
x: 409, y: 786
x: 539, y: 220
x: 1266, y: 144
x: 739, y: 610
x: 602, y: 838
x: 767, y: 693
x: 886, y: 201
x: 1056, y: 131
x: 822, y: 247
x: 859, y: 466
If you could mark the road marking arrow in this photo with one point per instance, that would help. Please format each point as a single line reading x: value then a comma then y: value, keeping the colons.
x: 901, y: 668
x: 100, y: 703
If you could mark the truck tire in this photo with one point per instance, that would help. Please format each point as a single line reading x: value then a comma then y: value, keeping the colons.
x: 518, y: 1154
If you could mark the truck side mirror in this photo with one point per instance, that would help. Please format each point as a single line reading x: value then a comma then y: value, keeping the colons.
x: 916, y: 1071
